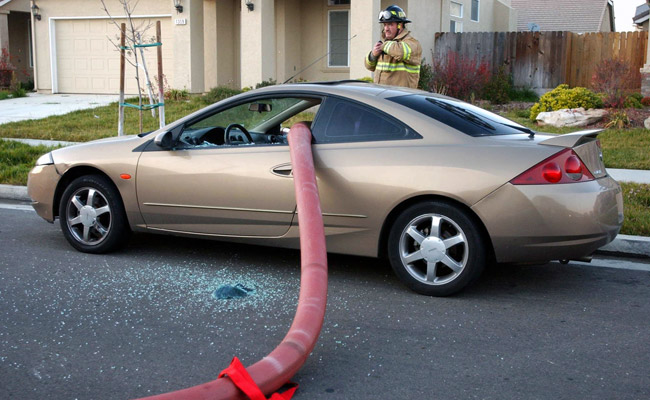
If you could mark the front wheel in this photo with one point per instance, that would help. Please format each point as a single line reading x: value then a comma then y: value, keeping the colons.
x: 436, y: 249
x: 92, y: 215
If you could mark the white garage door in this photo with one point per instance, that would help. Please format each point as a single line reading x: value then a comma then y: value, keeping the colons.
x: 88, y: 62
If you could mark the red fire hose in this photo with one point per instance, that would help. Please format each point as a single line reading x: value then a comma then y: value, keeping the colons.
x: 274, y: 370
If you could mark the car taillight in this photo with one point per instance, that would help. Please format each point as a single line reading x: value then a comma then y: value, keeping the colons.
x: 563, y: 167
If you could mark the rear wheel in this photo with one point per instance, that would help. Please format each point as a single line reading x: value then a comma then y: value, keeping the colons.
x: 436, y: 249
x: 92, y: 215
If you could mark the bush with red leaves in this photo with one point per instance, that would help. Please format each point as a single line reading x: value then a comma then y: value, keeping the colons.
x: 615, y: 79
x: 458, y: 76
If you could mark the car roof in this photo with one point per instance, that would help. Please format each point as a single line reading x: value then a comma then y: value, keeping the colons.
x: 347, y: 88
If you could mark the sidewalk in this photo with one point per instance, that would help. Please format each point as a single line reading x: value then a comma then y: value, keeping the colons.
x: 38, y: 105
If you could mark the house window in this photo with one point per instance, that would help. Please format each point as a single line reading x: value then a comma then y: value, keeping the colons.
x: 337, y: 2
x: 338, y: 38
x: 475, y: 6
x: 456, y: 9
x: 455, y: 26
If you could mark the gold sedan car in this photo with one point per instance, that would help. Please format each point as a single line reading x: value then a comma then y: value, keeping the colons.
x: 436, y: 185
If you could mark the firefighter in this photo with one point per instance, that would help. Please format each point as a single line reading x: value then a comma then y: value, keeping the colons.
x: 396, y: 58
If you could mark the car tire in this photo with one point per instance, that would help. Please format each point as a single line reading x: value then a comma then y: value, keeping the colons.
x: 92, y: 215
x: 436, y: 249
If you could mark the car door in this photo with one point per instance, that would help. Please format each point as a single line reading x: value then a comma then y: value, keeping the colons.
x: 233, y: 188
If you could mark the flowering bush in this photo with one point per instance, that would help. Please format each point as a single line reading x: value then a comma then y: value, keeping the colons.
x: 458, y: 76
x: 5, y: 61
x: 6, y: 69
x: 563, y: 97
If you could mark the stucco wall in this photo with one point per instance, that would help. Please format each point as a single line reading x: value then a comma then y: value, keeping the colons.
x: 51, y: 10
x: 605, y: 24
x: 289, y: 24
x: 17, y: 5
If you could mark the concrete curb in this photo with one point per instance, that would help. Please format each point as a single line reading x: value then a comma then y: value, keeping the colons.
x: 635, y: 246
x: 622, y: 245
x: 11, y: 192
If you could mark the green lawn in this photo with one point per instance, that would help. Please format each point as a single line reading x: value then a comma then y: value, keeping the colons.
x: 17, y: 159
x: 96, y: 123
x: 636, y: 200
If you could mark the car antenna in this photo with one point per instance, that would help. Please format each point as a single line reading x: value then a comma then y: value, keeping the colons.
x: 317, y: 60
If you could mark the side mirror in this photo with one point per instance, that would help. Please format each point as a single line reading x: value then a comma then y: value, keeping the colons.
x: 164, y: 140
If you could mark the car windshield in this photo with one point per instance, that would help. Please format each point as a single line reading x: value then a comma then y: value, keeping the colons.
x: 465, y: 117
x: 250, y: 115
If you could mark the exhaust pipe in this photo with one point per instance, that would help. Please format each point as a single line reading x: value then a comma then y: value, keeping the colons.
x: 274, y: 370
x: 586, y: 259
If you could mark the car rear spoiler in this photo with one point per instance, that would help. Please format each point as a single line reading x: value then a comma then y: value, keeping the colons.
x: 572, y: 139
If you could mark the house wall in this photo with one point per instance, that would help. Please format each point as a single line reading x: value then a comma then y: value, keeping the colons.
x: 55, y: 10
x: 289, y: 25
x: 504, y: 17
x: 314, y: 42
x: 606, y: 23
x: 188, y: 44
x: 427, y: 19
x: 221, y: 43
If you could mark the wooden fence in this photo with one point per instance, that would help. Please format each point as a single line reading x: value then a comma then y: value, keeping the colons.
x: 543, y: 60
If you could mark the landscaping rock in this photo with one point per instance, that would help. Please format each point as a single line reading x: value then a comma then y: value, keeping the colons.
x: 571, y: 117
x: 646, y: 123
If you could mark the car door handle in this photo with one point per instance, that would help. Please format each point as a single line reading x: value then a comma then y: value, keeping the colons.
x: 283, y: 170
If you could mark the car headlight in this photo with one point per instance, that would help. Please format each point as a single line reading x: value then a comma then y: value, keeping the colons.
x: 45, y: 159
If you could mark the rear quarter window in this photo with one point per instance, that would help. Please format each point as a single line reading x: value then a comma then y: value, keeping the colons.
x: 464, y: 117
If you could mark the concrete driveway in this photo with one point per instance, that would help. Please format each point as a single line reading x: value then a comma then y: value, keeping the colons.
x: 37, y: 105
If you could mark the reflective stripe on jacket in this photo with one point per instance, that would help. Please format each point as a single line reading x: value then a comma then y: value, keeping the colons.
x: 399, y: 64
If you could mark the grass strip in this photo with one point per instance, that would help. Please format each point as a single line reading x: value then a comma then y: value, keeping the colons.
x: 96, y: 123
x: 17, y: 159
x: 636, y: 200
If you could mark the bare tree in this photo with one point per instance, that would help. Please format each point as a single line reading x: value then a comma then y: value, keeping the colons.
x: 133, y: 36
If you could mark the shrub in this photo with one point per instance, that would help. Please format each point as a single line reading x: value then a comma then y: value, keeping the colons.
x: 523, y: 113
x: 645, y: 101
x: 564, y: 97
x: 618, y: 120
x: 459, y: 76
x: 426, y: 75
x: 633, y: 101
x: 615, y: 79
x: 498, y: 88
x: 523, y: 94
x: 270, y: 82
x: 177, y: 94
x: 18, y: 91
x: 219, y: 93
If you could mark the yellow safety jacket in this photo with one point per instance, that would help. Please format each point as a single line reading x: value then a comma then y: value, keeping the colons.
x: 399, y: 64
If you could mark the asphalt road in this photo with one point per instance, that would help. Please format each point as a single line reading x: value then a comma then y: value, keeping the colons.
x: 144, y: 321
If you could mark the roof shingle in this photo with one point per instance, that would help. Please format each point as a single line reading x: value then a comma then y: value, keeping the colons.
x: 561, y: 15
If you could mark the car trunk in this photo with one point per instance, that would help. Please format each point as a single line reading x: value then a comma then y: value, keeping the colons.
x: 586, y: 146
